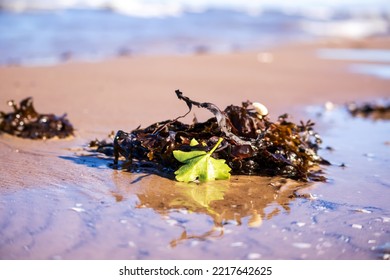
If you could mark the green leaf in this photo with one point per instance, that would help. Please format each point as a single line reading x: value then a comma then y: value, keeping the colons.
x: 194, y: 142
x: 198, y: 197
x: 184, y: 157
x: 199, y: 165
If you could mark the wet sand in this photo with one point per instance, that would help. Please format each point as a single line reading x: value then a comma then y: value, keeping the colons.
x: 57, y: 203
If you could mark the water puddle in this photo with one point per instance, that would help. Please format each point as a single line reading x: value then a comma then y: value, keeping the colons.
x: 379, y: 71
x: 109, y: 214
x: 381, y: 57
x: 244, y: 201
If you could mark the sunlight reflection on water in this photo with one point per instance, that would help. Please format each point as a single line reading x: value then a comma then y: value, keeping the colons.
x: 371, y: 56
x: 380, y: 71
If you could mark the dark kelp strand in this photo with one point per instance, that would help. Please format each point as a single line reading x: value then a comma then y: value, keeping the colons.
x: 26, y: 122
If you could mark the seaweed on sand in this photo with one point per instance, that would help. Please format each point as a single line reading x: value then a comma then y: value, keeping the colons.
x: 379, y: 110
x: 252, y: 144
x: 26, y: 122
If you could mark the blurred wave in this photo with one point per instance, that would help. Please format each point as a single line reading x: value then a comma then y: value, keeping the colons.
x: 152, y: 8
x: 37, y: 32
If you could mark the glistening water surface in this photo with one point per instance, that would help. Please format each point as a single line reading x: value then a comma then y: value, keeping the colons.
x: 94, y: 30
x: 110, y: 214
x: 376, y: 60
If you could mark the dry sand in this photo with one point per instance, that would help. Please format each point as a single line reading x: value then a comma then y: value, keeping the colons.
x: 54, y: 204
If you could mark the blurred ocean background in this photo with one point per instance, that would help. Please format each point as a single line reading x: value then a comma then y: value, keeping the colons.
x: 44, y: 32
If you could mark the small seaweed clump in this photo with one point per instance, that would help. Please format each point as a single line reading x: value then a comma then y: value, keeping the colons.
x: 25, y: 122
x: 251, y: 145
x: 379, y: 110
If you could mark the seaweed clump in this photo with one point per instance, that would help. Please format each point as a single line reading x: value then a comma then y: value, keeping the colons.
x: 26, y: 122
x: 252, y: 144
x: 375, y: 110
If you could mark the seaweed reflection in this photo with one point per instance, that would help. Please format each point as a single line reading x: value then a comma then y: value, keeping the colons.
x: 246, y: 200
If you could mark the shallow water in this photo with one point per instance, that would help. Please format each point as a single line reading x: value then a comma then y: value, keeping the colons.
x: 95, y: 35
x: 380, y: 71
x: 376, y: 61
x: 109, y: 214
x: 94, y: 30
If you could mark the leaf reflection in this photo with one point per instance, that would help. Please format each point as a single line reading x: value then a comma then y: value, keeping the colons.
x: 227, y: 202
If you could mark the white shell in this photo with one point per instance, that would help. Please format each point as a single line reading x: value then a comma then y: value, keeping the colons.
x: 260, y: 109
x: 255, y: 221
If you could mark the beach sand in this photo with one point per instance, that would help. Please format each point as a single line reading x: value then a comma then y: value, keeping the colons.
x: 55, y: 203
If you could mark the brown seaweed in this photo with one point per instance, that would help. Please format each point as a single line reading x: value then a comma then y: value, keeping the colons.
x: 26, y: 122
x: 379, y: 110
x: 252, y: 145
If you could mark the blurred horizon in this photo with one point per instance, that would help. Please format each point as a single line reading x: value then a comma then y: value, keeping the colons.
x: 152, y: 8
x: 41, y: 32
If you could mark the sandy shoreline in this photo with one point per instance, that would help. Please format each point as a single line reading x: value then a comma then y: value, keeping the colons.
x: 43, y: 181
x: 131, y: 90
